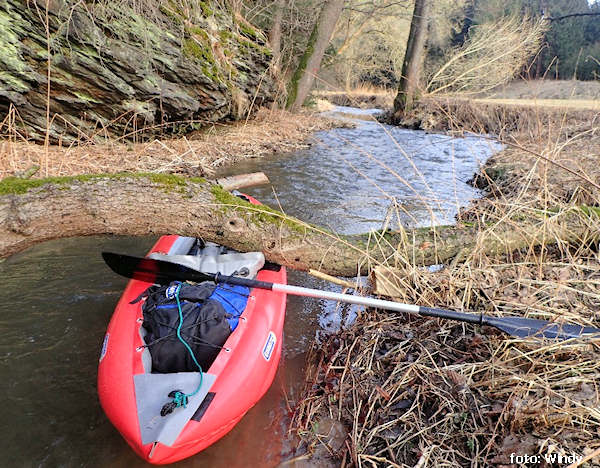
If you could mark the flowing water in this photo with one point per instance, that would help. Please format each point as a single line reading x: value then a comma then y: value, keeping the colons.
x: 57, y: 298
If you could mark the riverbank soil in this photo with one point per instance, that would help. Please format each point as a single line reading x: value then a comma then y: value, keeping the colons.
x: 410, y: 391
x: 197, y: 154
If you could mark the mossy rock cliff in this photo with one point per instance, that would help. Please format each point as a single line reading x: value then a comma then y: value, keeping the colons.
x: 117, y: 66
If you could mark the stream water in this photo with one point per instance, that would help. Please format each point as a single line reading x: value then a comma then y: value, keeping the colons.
x: 57, y: 298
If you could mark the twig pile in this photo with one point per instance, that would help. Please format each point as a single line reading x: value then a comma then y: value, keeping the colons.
x: 425, y: 391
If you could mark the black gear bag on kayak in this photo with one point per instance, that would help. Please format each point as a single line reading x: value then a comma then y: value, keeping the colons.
x: 205, y: 327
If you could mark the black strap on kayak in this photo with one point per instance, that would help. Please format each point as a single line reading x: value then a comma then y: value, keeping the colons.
x: 193, y: 338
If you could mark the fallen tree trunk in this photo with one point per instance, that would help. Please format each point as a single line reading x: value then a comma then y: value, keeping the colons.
x: 33, y: 211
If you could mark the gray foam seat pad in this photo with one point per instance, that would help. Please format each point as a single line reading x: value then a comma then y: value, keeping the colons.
x: 151, y: 393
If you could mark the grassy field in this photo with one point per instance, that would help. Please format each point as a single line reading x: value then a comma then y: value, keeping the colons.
x: 553, y: 103
x: 561, y: 94
x: 548, y: 89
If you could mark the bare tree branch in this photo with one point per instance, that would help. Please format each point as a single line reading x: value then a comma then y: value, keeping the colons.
x: 572, y: 15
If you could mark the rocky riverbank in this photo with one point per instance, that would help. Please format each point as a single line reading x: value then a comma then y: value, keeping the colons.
x: 75, y: 71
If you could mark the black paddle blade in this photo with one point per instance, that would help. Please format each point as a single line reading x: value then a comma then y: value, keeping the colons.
x: 151, y: 270
x: 525, y: 327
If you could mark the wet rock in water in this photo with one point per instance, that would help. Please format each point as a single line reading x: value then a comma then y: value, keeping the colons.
x: 331, y: 432
x: 331, y: 435
x: 115, y: 70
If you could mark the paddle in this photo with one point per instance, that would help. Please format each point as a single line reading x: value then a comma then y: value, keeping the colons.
x: 162, y: 272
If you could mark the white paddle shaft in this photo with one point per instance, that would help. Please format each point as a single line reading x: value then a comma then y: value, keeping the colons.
x: 365, y: 301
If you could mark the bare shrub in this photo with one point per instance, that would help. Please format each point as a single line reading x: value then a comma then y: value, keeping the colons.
x: 492, y: 55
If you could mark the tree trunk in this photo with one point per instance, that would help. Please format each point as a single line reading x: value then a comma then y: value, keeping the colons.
x: 310, y: 62
x: 275, y: 35
x: 33, y: 211
x: 413, y: 59
x: 539, y: 64
x: 243, y: 180
x: 114, y: 70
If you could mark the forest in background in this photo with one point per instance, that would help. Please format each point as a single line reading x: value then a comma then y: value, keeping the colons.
x: 369, y: 41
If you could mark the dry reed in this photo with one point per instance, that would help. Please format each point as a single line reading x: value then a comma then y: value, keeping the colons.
x: 197, y: 154
x: 415, y: 392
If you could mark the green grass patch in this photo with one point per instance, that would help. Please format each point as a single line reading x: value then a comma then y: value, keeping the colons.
x: 261, y: 214
x: 16, y: 185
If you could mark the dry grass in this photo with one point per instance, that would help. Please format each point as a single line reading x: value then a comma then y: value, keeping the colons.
x: 538, y: 94
x: 586, y: 104
x: 198, y: 154
x: 548, y: 89
x: 367, y: 88
x: 364, y: 96
x: 416, y: 392
x: 524, y: 120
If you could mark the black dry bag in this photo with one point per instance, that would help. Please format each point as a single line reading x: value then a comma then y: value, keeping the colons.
x: 205, y: 327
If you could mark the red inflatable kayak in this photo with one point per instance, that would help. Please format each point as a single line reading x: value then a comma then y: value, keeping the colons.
x: 243, y: 370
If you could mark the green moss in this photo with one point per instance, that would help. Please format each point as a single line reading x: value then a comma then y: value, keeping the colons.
x: 129, y: 26
x: 590, y: 210
x: 35, y: 48
x: 172, y: 12
x: 250, y: 32
x: 203, y: 53
x: 249, y: 45
x: 225, y: 35
x: 84, y: 97
x: 293, y: 88
x: 197, y: 180
x: 193, y: 48
x: 261, y: 214
x: 10, y: 50
x: 84, y: 50
x: 198, y: 31
x: 496, y: 174
x: 62, y: 77
x: 170, y: 182
x: 248, y: 38
x: 206, y: 10
x: 13, y: 83
x: 16, y: 185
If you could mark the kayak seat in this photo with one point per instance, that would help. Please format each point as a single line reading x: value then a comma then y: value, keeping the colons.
x: 246, y: 265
